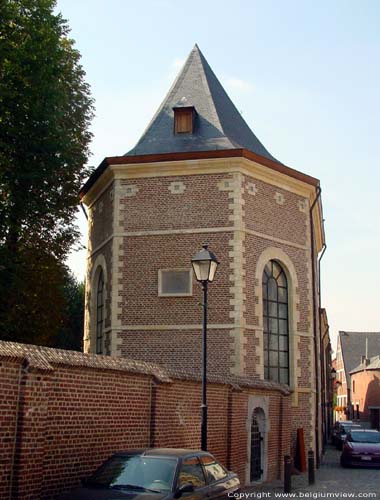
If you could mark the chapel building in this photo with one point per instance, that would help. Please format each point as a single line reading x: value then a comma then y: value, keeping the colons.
x: 199, y: 174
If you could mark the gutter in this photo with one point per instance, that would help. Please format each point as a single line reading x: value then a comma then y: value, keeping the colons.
x: 196, y: 155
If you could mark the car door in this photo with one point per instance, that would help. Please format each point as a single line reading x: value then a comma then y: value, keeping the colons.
x: 191, y: 471
x: 217, y: 477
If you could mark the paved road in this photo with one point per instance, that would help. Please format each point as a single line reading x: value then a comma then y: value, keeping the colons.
x: 332, y: 481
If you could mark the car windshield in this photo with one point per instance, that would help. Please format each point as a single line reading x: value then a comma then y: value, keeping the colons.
x: 135, y: 472
x: 348, y: 427
x: 365, y: 437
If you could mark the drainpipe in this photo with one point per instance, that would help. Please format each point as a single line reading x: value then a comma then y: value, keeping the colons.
x: 22, y: 370
x: 84, y: 210
x: 315, y: 326
x: 322, y: 351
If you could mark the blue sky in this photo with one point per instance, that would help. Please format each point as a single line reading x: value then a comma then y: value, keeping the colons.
x: 304, y: 74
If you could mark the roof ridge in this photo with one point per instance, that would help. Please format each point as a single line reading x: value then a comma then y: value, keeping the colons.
x: 204, y: 78
x: 218, y: 126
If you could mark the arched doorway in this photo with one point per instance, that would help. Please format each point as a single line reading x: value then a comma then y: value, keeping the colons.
x: 257, y: 447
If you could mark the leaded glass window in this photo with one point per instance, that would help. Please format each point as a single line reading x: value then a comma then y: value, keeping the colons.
x: 99, y: 314
x: 276, y: 327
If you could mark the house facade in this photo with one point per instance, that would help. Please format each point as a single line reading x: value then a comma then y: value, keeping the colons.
x: 365, y: 391
x: 352, y: 348
x: 197, y: 175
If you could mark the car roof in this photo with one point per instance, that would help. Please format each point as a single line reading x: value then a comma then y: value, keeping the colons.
x: 365, y: 430
x: 162, y: 452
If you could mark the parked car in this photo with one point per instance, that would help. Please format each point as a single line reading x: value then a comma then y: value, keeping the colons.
x: 361, y: 448
x: 158, y: 473
x: 335, y: 430
x: 344, y: 429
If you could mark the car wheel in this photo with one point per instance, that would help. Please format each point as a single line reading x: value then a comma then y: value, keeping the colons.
x: 343, y: 462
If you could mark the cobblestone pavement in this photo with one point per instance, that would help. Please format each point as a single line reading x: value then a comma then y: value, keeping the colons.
x: 332, y: 481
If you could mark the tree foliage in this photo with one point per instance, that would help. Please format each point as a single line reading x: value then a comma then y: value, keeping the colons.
x: 45, y: 113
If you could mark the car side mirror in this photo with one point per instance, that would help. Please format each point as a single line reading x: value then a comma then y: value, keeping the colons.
x: 185, y: 488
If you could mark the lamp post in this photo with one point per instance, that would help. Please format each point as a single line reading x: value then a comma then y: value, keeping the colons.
x: 204, y: 265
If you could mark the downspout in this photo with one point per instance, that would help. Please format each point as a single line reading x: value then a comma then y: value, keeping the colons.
x: 84, y: 210
x: 322, y: 351
x: 315, y: 327
x: 23, y: 366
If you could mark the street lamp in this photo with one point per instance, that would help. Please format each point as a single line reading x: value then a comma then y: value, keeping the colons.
x: 204, y: 265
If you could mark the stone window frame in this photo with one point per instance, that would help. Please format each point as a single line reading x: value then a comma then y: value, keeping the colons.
x: 98, y: 267
x: 162, y: 294
x: 273, y: 253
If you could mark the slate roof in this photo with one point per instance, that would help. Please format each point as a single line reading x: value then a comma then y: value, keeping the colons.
x: 353, y: 345
x: 374, y: 364
x: 218, y: 124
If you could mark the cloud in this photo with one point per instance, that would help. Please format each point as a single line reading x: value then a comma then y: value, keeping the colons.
x: 175, y: 68
x: 238, y: 84
x: 177, y: 64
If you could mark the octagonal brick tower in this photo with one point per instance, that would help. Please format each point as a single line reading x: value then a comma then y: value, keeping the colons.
x: 199, y: 174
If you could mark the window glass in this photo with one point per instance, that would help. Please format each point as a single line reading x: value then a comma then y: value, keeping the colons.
x: 214, y: 470
x: 275, y: 320
x: 191, y: 472
x: 99, y: 314
x: 175, y: 282
x: 136, y: 470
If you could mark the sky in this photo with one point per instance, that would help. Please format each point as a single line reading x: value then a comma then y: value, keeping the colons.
x: 305, y: 75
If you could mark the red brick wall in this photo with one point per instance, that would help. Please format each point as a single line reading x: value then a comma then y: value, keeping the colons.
x: 101, y: 210
x: 72, y: 418
x: 264, y: 215
x: 367, y: 392
x: 154, y: 207
x: 9, y: 390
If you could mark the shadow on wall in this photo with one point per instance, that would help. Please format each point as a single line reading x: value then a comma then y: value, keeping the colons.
x: 372, y: 399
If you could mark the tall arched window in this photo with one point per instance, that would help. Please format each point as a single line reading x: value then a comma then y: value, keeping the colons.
x: 276, y: 326
x: 99, y: 314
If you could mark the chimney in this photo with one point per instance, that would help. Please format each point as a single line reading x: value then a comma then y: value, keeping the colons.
x: 362, y: 360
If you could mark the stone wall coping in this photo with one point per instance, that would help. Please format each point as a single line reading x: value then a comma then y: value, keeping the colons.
x: 46, y: 358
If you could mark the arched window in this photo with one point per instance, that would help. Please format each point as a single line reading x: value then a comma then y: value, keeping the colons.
x: 99, y: 314
x: 276, y: 326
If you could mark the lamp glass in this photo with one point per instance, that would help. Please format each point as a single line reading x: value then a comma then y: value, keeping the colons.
x: 213, y: 268
x: 201, y: 269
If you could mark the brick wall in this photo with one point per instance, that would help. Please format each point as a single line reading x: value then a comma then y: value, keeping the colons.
x: 162, y: 220
x: 367, y: 392
x: 10, y: 375
x: 75, y: 410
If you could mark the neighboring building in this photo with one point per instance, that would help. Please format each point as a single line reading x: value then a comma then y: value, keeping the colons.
x: 327, y: 389
x: 365, y: 391
x: 199, y: 174
x: 351, y: 346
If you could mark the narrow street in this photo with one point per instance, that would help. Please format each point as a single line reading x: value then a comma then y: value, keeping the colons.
x: 332, y: 481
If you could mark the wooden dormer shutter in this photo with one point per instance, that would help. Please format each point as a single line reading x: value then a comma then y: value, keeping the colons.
x: 184, y: 120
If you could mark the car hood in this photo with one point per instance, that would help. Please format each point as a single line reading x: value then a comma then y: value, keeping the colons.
x: 366, y: 447
x: 109, y: 494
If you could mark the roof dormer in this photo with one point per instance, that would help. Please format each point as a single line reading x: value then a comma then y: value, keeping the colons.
x: 184, y: 117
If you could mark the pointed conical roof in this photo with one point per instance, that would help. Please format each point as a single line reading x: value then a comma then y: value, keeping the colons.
x: 218, y: 125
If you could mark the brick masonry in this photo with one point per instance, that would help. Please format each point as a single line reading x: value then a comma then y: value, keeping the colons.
x: 66, y: 412
x: 248, y: 216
